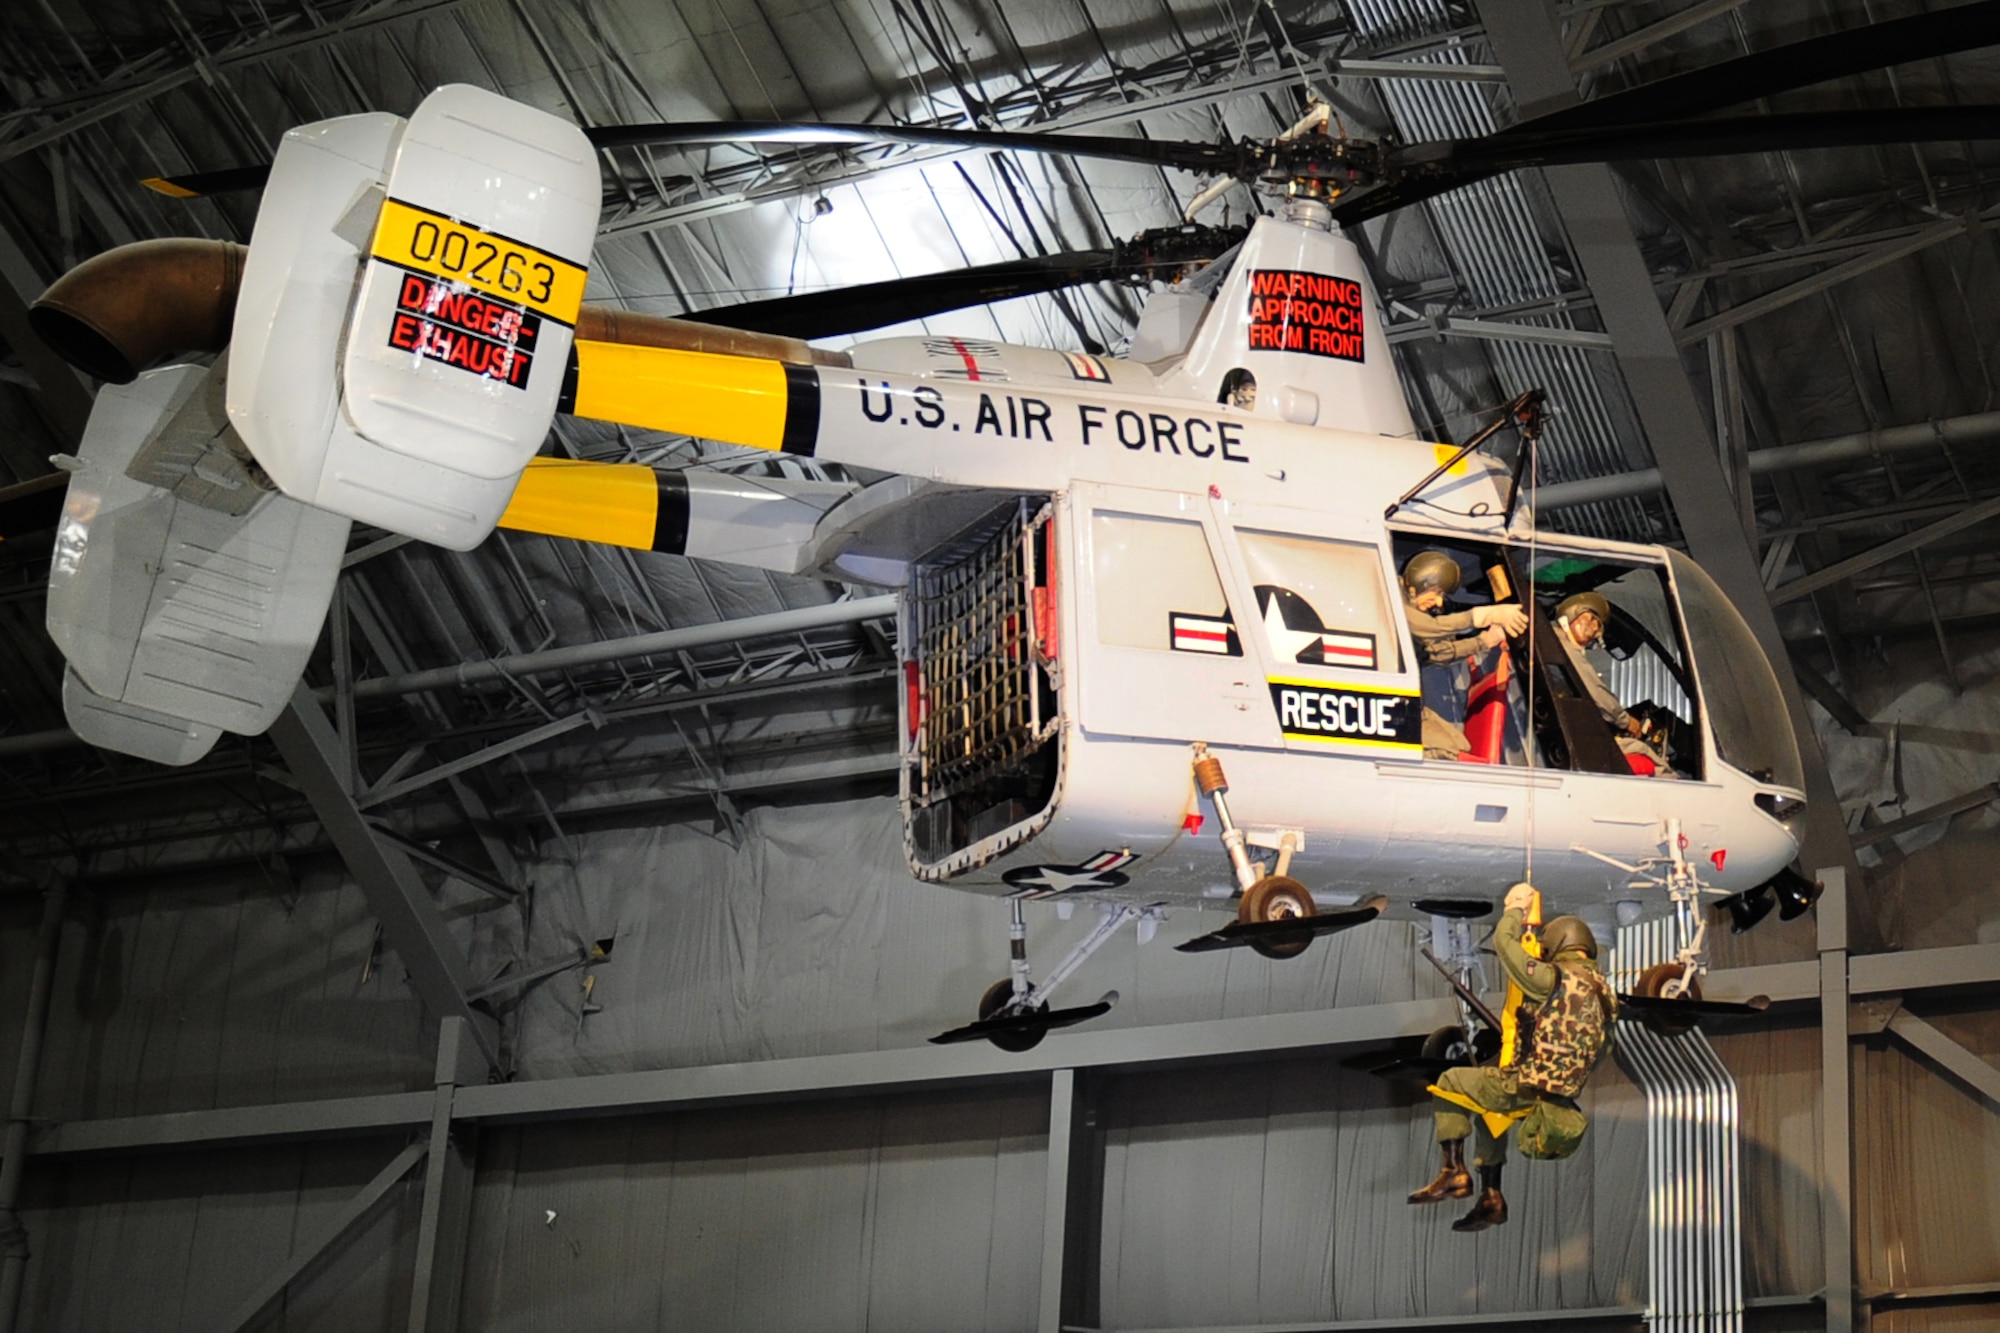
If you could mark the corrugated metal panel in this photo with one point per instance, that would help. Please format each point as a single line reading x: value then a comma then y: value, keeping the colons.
x: 814, y: 939
x: 179, y: 1242
x: 1501, y: 257
x: 1927, y: 1181
x: 219, y: 991
x: 878, y: 1214
x: 1288, y: 1181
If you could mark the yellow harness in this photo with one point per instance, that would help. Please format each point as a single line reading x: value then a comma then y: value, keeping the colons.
x: 1499, y: 1122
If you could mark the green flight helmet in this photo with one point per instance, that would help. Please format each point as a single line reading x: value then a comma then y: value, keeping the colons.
x: 1565, y: 933
x: 1585, y: 601
x: 1431, y: 571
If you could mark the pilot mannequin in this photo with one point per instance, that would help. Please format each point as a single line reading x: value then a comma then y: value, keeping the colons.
x: 1443, y: 640
x: 1239, y: 390
x: 1580, y: 621
x: 1574, y: 1009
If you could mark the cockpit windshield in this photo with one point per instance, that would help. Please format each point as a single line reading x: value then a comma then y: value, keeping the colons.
x: 1753, y: 729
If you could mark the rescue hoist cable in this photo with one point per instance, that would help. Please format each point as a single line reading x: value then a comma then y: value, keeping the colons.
x: 1531, y: 437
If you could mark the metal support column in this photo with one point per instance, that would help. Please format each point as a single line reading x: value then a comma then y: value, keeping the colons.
x: 1836, y: 1171
x: 1055, y: 1200
x: 13, y: 1239
x: 410, y: 920
x: 64, y: 401
x: 447, y: 1215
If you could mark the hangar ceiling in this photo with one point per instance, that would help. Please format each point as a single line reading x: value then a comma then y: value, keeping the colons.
x: 1829, y: 309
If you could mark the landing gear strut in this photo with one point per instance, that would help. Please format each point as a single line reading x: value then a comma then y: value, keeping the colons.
x: 1275, y: 914
x: 1667, y: 996
x: 1014, y: 1012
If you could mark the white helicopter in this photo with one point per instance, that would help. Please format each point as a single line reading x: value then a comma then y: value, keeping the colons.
x: 1120, y: 576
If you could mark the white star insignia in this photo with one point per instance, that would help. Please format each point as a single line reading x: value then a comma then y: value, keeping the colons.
x: 1287, y: 643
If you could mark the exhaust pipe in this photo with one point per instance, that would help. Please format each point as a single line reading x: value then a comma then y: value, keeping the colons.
x: 122, y: 311
x: 119, y: 312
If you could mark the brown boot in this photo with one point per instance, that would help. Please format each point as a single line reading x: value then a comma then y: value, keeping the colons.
x: 1453, y: 1180
x: 1491, y: 1210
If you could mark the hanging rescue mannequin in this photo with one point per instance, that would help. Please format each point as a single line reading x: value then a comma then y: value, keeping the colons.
x: 1580, y: 622
x: 1445, y: 640
x: 1568, y: 1010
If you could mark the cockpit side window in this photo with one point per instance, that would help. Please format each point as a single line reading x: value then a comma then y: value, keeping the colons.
x: 1322, y: 602
x: 1597, y: 679
x: 1157, y: 587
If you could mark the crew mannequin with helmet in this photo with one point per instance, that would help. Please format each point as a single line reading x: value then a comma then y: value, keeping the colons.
x: 1571, y: 1010
x: 1446, y: 638
x: 1580, y: 620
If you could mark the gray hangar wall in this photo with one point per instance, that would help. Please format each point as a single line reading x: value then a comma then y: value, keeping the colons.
x: 1263, y: 1190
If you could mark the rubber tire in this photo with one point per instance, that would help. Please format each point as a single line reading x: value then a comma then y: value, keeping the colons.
x: 1439, y: 1045
x: 1447, y: 1043
x: 992, y: 1002
x: 1273, y: 898
x: 1651, y: 982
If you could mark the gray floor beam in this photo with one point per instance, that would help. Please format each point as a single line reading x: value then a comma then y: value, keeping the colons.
x: 1527, y: 40
x: 355, y: 1209
x: 410, y: 919
x: 1962, y: 965
x: 868, y: 1072
x: 333, y: 1117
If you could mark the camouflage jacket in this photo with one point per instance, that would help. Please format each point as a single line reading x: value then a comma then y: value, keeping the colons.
x: 1572, y: 1028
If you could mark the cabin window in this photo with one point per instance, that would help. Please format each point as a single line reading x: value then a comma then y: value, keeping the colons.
x: 1322, y: 602
x: 1620, y: 701
x: 1746, y: 709
x: 1156, y: 586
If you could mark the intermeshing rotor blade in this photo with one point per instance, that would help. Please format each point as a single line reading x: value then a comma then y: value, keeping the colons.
x: 876, y: 304
x: 1423, y: 171
x: 201, y: 184
x: 1836, y: 55
x: 1162, y: 252
x: 1152, y: 152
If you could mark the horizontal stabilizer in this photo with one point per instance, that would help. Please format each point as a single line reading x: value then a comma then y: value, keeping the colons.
x: 127, y: 729
x: 169, y: 607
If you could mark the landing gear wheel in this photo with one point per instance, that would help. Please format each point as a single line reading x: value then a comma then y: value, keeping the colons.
x: 1448, y: 1043
x: 1275, y: 898
x: 992, y: 1002
x: 1651, y: 982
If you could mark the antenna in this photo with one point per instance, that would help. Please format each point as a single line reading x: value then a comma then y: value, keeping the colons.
x: 1526, y: 410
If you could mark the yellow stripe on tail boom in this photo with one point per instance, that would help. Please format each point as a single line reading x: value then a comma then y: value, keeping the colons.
x: 614, y: 503
x: 735, y: 399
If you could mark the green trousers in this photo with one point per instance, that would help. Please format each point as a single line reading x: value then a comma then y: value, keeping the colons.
x: 1491, y: 1088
